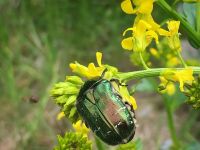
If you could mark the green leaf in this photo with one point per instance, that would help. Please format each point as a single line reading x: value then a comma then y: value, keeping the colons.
x: 189, y: 10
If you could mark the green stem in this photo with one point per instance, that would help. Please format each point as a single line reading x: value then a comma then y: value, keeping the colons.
x: 171, y: 123
x: 150, y: 73
x: 143, y: 62
x: 198, y: 17
x: 181, y: 59
x: 192, y: 34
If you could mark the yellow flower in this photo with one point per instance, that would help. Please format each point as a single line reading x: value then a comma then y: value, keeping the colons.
x: 148, y: 18
x: 80, y: 127
x: 172, y: 35
x: 142, y: 36
x: 125, y: 95
x: 169, y: 87
x: 154, y: 52
x: 172, y: 61
x: 140, y: 6
x: 91, y: 71
x: 123, y: 91
x: 60, y: 115
x: 181, y: 76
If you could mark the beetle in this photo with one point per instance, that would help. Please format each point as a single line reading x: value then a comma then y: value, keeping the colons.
x: 105, y: 112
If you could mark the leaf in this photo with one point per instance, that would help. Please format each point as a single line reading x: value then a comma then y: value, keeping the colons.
x: 189, y: 10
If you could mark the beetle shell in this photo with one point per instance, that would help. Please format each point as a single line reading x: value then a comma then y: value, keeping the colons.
x: 104, y: 111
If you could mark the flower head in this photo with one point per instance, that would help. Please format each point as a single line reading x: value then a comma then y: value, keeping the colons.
x: 72, y: 141
x: 137, y: 6
x: 60, y: 115
x: 166, y: 86
x: 123, y: 91
x: 80, y: 127
x: 91, y: 71
x: 172, y: 35
x: 141, y: 37
x: 181, y: 76
x: 65, y: 93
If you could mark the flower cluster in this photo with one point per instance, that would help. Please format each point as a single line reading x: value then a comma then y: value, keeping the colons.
x: 145, y: 29
x: 73, y: 140
x: 65, y: 93
x: 192, y: 91
x: 181, y: 76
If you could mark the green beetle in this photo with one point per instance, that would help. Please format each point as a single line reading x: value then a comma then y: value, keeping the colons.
x: 105, y: 112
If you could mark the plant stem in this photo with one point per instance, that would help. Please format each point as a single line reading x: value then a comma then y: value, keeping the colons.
x: 192, y: 34
x: 143, y: 62
x: 198, y: 17
x: 151, y: 73
x: 171, y: 122
x: 181, y: 59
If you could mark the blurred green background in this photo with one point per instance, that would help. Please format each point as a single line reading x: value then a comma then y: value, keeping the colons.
x: 38, y: 39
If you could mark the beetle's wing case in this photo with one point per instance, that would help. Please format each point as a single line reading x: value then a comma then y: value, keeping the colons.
x: 114, y: 110
x: 93, y: 117
x: 105, y: 113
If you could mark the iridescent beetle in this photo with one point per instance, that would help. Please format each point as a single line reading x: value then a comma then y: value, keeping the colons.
x: 104, y: 111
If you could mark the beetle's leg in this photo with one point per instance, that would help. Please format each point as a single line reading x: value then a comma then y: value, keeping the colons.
x: 86, y: 124
x: 119, y: 83
x: 128, y: 105
x: 103, y: 73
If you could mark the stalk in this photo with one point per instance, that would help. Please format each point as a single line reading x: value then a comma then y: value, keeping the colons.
x: 154, y: 72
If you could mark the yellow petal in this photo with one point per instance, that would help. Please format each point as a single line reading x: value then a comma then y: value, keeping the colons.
x: 99, y: 58
x: 126, y: 96
x: 127, y: 43
x: 151, y: 34
x: 79, y: 126
x: 141, y: 27
x: 127, y: 7
x: 181, y: 85
x: 146, y: 7
x: 170, y: 89
x: 173, y: 26
x: 129, y: 29
x: 132, y: 101
x: 163, y: 32
x: 79, y: 69
x: 72, y: 66
x: 60, y: 115
x: 154, y: 52
x: 92, y: 70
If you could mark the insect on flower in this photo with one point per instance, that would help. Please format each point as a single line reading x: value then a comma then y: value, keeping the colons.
x: 105, y: 111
